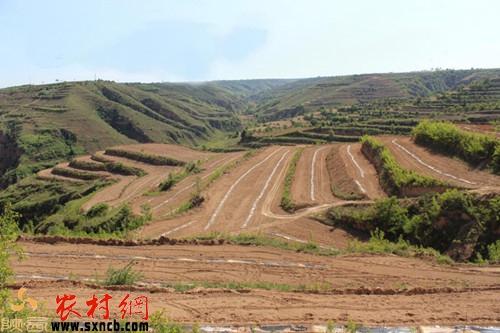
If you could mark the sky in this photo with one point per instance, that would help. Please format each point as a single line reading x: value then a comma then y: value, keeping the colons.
x: 200, y: 40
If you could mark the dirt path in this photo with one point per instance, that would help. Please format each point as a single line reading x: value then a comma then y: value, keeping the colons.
x: 441, y: 294
x: 454, y: 171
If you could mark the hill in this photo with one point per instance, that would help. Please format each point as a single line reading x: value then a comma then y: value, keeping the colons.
x: 43, y: 125
x: 300, y: 96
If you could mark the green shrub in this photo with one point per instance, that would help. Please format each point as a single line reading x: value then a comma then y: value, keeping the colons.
x: 86, y: 165
x: 494, y: 252
x: 122, y: 169
x: 447, y: 138
x: 118, y: 221
x: 440, y: 221
x: 107, y: 165
x: 161, y: 324
x: 175, y: 177
x: 99, y: 209
x: 122, y: 276
x: 392, y: 176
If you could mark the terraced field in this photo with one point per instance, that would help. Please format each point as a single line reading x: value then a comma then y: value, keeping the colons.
x: 209, y: 229
x: 411, y: 286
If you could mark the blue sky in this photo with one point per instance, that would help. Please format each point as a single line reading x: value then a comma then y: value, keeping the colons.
x: 197, y: 40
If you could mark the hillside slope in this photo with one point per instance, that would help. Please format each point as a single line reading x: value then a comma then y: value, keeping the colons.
x: 40, y: 125
x: 301, y: 96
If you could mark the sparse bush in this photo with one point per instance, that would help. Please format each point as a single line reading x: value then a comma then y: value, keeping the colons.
x: 122, y: 276
x: 175, y: 177
x: 160, y: 324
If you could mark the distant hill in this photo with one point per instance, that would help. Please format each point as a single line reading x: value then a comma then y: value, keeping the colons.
x: 298, y: 97
x: 44, y: 124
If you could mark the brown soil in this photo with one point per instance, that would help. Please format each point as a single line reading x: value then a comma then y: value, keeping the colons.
x: 369, y: 289
x: 454, y: 168
x: 351, y: 167
x: 310, y: 187
x: 230, y: 200
x: 483, y: 128
x: 163, y: 203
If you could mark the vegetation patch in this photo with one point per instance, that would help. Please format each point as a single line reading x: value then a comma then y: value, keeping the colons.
x: 175, y: 177
x: 286, y: 196
x: 111, y: 166
x: 474, y: 148
x: 124, y: 276
x: 394, y: 179
x: 36, y: 199
x: 376, y: 244
x: 100, y: 220
x: 144, y: 157
x: 462, y: 225
x: 235, y: 285
x: 74, y: 173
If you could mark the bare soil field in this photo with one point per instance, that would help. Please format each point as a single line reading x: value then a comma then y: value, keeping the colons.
x: 311, y: 184
x: 162, y: 203
x: 367, y: 289
x: 483, y: 128
x: 234, y: 202
x: 352, y: 172
x: 422, y: 160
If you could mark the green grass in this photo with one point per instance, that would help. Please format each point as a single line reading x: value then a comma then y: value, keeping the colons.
x: 378, y: 244
x: 124, y: 276
x: 239, y: 285
x: 286, y: 196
